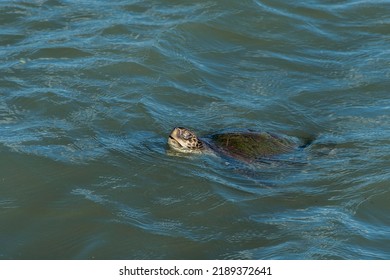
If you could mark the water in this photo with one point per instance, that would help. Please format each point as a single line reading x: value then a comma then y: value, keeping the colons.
x: 91, y: 89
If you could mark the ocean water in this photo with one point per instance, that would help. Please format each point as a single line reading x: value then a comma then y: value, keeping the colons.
x: 90, y: 91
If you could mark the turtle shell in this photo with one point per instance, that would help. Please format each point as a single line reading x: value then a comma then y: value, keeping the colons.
x: 249, y: 146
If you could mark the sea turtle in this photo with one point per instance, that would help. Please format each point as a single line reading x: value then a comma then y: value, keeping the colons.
x: 247, y: 146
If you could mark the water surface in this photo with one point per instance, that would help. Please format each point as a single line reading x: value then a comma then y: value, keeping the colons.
x: 91, y: 89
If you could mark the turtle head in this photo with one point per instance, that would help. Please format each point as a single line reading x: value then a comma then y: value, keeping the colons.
x: 184, y: 140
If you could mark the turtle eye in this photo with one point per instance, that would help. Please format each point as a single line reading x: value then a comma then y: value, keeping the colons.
x: 186, y: 135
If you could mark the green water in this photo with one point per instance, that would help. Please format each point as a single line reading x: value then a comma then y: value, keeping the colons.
x: 90, y: 91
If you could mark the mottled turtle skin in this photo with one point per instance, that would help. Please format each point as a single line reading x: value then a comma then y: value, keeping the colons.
x: 246, y: 146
